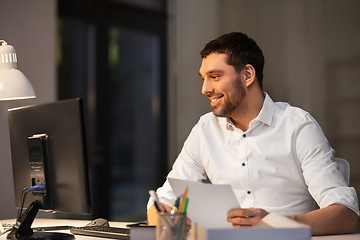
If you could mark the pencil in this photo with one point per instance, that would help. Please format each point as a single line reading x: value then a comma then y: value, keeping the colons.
x: 183, y: 210
x: 183, y: 198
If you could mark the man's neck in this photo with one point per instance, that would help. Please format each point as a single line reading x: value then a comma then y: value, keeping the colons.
x: 250, y: 110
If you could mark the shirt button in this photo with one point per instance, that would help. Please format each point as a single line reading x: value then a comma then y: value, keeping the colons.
x: 243, y: 164
x: 248, y: 192
x: 244, y: 135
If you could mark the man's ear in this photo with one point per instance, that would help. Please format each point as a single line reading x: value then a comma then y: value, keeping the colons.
x: 250, y: 74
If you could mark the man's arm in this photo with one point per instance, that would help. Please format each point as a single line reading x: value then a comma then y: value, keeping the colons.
x: 152, y: 214
x: 325, y: 184
x: 334, y: 219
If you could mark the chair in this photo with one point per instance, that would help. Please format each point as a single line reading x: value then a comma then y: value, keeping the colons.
x: 344, y: 168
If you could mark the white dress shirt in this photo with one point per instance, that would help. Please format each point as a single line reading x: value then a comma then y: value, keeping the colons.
x: 282, y: 163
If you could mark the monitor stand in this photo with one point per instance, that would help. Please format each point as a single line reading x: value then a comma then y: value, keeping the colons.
x: 22, y: 229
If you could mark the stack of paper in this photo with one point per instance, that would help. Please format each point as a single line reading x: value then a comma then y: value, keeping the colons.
x: 208, y: 207
x: 272, y: 227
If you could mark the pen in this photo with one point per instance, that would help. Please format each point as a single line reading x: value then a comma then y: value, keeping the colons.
x: 160, y: 208
x: 177, y: 203
x: 157, y: 203
x: 157, y: 207
x: 176, y: 206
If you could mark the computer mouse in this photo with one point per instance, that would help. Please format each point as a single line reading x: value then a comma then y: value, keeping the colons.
x: 99, y: 222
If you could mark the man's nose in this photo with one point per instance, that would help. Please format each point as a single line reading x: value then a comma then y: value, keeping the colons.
x: 206, y: 87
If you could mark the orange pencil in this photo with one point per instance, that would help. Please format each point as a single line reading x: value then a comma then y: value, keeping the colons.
x: 183, y: 198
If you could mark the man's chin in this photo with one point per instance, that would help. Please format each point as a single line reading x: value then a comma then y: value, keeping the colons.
x: 218, y: 113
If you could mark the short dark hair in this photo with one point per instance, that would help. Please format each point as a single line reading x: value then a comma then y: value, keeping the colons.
x: 240, y: 49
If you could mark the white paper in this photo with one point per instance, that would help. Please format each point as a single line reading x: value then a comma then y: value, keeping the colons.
x: 278, y: 221
x: 268, y: 233
x: 208, y: 203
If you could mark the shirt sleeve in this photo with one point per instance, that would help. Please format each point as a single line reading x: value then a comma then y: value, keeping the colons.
x: 187, y: 166
x: 325, y: 182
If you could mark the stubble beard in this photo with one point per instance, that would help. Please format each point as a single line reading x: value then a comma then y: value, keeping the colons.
x: 232, y: 101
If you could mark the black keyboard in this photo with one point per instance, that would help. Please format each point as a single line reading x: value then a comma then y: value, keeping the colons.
x: 103, y: 231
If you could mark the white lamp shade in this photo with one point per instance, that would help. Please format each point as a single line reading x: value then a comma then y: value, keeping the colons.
x: 13, y: 83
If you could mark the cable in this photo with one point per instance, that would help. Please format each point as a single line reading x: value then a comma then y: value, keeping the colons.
x: 7, y: 230
x: 36, y: 188
x: 22, y: 201
x: 24, y: 192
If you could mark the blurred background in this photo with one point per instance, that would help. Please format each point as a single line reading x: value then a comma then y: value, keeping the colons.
x: 135, y: 64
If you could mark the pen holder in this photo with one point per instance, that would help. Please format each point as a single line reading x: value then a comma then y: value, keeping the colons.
x: 171, y: 226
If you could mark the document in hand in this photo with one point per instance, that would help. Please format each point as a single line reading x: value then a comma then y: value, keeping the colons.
x: 208, y: 203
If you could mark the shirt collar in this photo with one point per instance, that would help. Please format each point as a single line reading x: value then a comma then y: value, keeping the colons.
x: 266, y: 113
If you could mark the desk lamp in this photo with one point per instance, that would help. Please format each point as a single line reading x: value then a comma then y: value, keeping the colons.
x: 13, y: 83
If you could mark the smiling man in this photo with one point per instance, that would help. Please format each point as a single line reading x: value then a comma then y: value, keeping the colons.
x: 275, y: 156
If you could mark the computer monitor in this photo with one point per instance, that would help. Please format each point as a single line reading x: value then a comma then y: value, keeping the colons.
x: 49, y: 160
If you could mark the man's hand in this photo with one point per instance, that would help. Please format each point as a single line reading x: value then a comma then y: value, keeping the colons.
x: 245, y: 217
x: 152, y: 214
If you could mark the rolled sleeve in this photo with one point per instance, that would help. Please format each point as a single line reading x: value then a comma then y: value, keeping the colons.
x: 343, y: 195
x: 325, y: 182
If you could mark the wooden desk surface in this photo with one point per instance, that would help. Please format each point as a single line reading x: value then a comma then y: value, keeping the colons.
x: 43, y: 222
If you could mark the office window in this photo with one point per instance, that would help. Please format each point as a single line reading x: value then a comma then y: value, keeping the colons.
x: 117, y: 65
x: 132, y: 114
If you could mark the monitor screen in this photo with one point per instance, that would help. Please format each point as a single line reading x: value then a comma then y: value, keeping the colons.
x: 48, y: 149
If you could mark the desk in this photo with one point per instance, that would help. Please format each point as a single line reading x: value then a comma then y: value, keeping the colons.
x: 43, y: 222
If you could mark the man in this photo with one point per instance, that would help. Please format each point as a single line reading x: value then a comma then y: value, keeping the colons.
x: 275, y: 156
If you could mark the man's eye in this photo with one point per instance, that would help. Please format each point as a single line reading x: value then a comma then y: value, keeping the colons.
x: 215, y: 76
